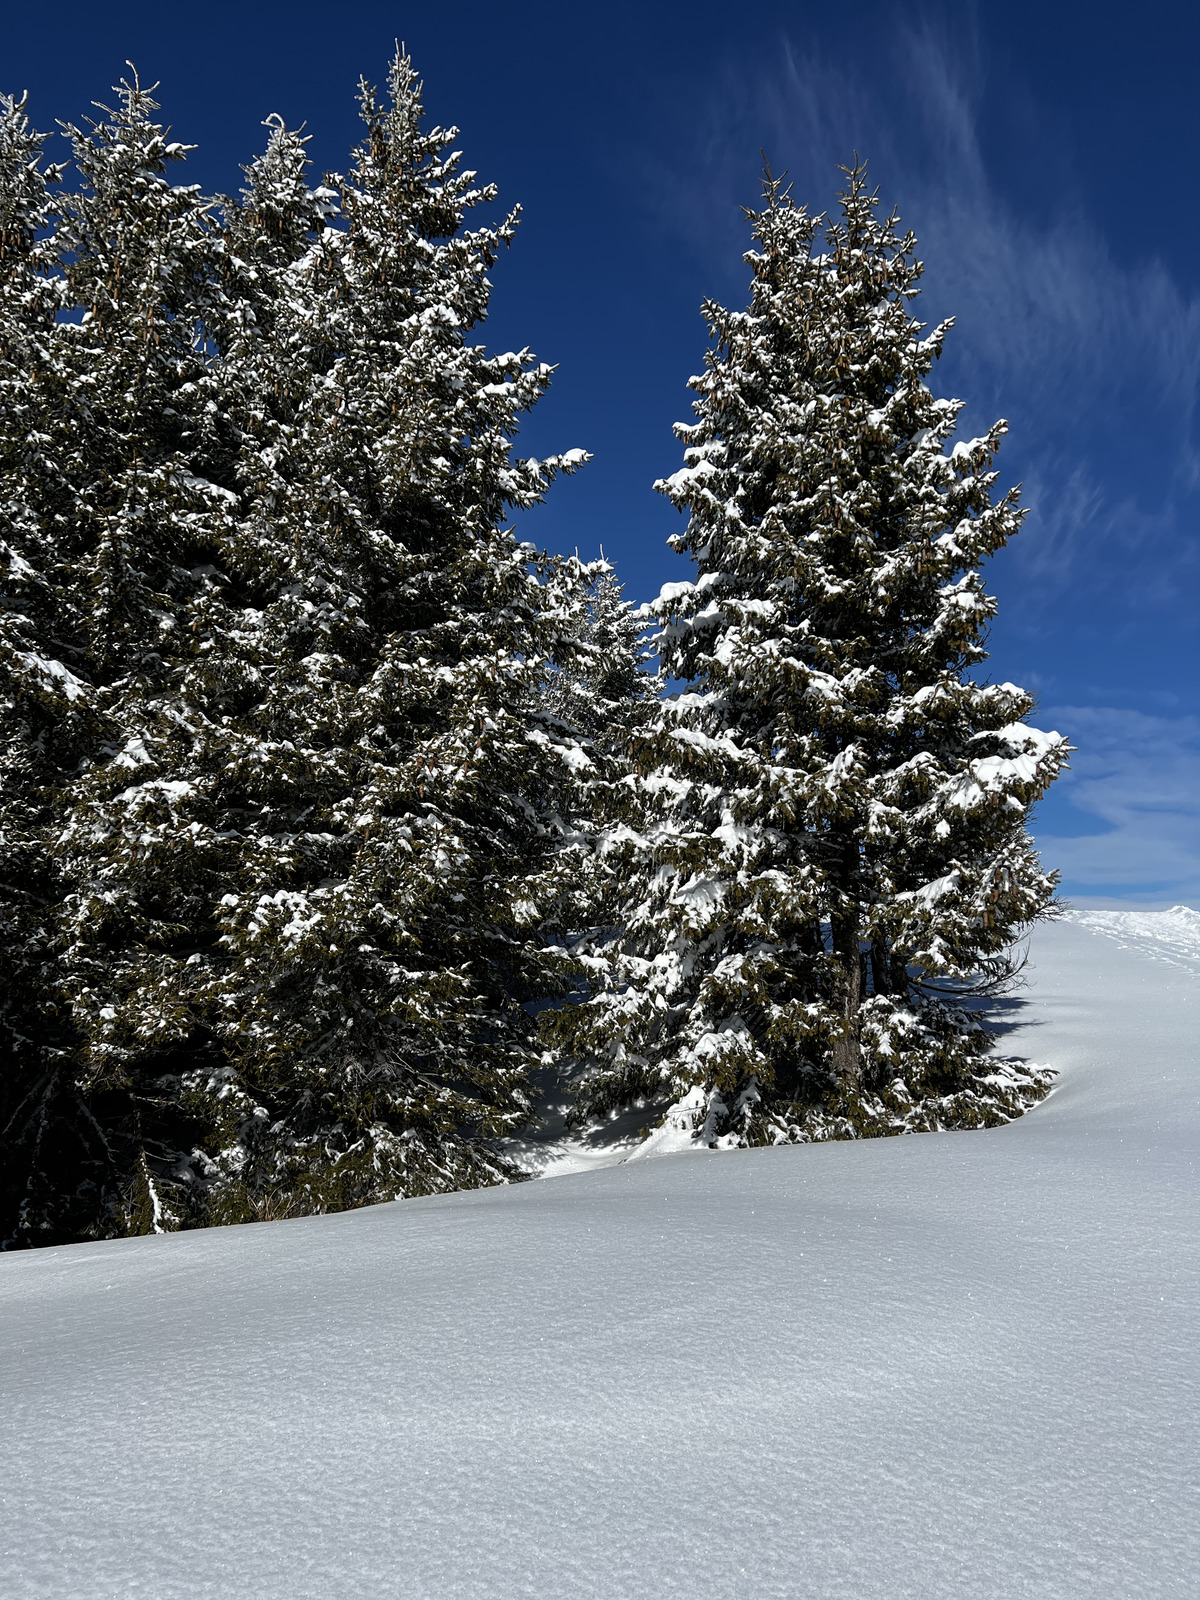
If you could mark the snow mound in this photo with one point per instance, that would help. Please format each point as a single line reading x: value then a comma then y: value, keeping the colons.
x: 1172, y: 936
x: 953, y: 1367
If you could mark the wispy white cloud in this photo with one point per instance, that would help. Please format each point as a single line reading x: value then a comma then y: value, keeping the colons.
x: 1138, y: 776
x: 1096, y: 361
x: 1047, y: 305
x: 1092, y: 354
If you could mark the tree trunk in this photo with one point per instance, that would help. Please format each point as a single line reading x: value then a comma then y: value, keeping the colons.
x: 850, y: 976
x: 881, y: 969
x: 847, y: 1055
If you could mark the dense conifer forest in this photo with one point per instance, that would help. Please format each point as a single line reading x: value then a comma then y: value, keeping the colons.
x: 333, y: 813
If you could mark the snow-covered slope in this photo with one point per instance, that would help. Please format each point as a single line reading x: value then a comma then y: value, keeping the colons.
x: 948, y: 1366
x: 1171, y: 936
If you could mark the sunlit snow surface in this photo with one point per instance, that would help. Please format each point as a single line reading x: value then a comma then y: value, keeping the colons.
x: 1171, y: 936
x: 957, y: 1365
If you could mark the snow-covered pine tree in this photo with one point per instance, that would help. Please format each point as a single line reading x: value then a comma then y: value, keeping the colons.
x: 602, y: 697
x: 307, y: 852
x: 138, y: 451
x: 43, y: 705
x: 830, y: 835
x: 605, y: 692
x: 365, y: 742
x: 269, y: 338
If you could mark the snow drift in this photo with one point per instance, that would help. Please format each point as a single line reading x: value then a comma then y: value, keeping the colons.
x: 948, y: 1366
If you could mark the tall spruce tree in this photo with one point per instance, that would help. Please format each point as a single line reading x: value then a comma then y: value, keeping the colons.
x: 139, y: 451
x: 824, y: 840
x: 300, y: 843
x: 372, y: 748
x: 44, y: 710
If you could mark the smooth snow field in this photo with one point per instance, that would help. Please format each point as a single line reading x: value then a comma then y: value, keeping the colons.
x: 950, y: 1365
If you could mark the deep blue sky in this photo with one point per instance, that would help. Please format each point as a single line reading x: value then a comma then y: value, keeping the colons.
x: 1048, y: 157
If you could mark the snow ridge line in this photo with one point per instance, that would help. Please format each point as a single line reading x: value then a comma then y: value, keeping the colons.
x: 1171, y: 937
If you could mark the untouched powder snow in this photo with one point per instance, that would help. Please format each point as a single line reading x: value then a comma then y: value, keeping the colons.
x: 948, y: 1366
